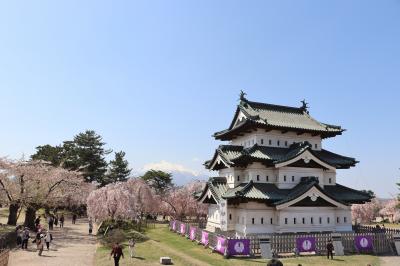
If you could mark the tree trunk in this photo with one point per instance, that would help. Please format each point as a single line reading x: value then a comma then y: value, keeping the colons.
x: 13, y: 213
x: 30, y: 215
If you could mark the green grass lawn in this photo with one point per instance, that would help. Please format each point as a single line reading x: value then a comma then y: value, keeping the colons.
x: 184, y: 252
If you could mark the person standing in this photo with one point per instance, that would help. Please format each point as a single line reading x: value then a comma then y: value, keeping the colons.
x: 48, y: 239
x: 131, y: 246
x: 56, y: 220
x: 116, y: 253
x: 51, y: 222
x: 329, y: 249
x: 74, y: 218
x: 90, y: 226
x: 40, y: 244
x: 62, y: 221
x: 25, y: 238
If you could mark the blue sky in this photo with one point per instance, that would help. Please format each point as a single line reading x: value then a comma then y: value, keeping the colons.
x: 157, y: 78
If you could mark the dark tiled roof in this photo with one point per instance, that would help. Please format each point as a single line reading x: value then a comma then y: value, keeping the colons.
x: 272, y: 195
x: 262, y: 115
x: 238, y: 155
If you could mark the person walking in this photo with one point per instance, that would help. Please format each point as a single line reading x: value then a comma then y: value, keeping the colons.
x: 25, y: 238
x: 48, y: 239
x: 74, y: 218
x: 19, y: 235
x: 329, y: 249
x: 131, y: 246
x: 90, y: 226
x: 116, y: 253
x: 50, y: 222
x: 56, y: 220
x: 62, y: 221
x: 40, y: 244
x: 37, y: 222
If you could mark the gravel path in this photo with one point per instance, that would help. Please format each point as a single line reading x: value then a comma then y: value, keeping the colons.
x: 390, y: 260
x: 71, y: 246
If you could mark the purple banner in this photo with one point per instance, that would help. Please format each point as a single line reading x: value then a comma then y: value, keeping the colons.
x: 239, y: 247
x: 363, y: 242
x: 204, y: 238
x: 305, y: 244
x: 221, y: 245
x: 183, y: 228
x: 173, y: 225
x: 192, y: 233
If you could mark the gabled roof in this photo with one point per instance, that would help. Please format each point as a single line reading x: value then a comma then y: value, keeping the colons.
x: 234, y: 155
x: 273, y: 196
x: 271, y: 116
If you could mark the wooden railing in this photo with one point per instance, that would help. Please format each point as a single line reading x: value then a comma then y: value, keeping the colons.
x: 374, y: 229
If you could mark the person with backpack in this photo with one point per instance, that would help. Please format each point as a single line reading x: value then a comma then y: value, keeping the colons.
x: 48, y: 239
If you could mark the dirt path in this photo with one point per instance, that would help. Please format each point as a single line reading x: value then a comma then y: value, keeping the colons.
x: 71, y: 246
x: 390, y: 260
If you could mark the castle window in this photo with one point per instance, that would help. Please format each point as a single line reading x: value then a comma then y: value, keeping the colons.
x: 294, y: 220
x: 262, y: 220
x: 328, y: 220
x: 238, y: 178
x: 345, y: 219
x: 267, y: 178
x: 262, y: 141
x: 230, y: 216
x: 312, y: 220
x: 292, y: 178
x: 258, y: 177
x: 252, y: 220
x: 253, y: 141
x: 320, y: 220
x: 304, y: 220
x: 285, y: 220
x: 337, y: 219
x: 270, y: 142
x: 316, y: 146
x: 286, y: 143
x: 271, y: 221
x: 330, y: 180
x: 277, y: 143
x: 284, y: 178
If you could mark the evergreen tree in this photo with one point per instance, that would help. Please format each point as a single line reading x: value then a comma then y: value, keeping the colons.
x: 90, y: 155
x: 159, y: 180
x: 48, y: 153
x: 118, y: 168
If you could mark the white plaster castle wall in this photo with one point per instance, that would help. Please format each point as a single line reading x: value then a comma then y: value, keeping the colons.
x: 260, y: 174
x: 275, y: 138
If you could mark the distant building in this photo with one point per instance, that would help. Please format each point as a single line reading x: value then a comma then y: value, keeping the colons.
x: 274, y: 175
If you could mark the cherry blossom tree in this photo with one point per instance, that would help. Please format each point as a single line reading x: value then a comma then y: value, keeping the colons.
x: 37, y: 184
x: 123, y: 200
x: 390, y: 209
x: 366, y: 212
x: 181, y: 202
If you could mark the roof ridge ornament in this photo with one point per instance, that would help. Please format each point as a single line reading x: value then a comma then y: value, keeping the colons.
x: 304, y: 106
x: 242, y: 98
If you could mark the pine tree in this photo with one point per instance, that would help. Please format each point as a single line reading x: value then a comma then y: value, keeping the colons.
x: 118, y: 168
x: 159, y: 180
x: 90, y: 152
x: 48, y: 153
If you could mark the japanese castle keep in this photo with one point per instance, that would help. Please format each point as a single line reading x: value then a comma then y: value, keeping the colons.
x: 274, y: 175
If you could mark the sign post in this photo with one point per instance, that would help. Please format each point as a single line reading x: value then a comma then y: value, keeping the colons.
x: 265, y: 247
x: 337, y: 244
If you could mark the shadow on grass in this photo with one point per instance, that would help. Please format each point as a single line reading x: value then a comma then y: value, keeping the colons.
x: 139, y: 258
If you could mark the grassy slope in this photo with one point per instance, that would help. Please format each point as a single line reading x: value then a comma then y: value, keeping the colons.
x: 184, y: 252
